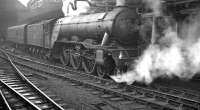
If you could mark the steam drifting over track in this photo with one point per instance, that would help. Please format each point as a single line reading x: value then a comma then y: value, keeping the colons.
x: 136, y: 95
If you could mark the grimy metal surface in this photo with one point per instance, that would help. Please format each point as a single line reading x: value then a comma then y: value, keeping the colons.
x: 17, y: 34
x: 120, y: 23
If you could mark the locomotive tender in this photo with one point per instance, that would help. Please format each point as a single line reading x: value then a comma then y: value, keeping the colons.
x: 103, y: 43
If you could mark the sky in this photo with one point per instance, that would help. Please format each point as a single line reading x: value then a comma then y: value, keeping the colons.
x: 24, y: 2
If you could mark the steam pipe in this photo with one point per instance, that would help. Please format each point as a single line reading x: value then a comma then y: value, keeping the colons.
x: 105, y: 39
x: 153, y: 34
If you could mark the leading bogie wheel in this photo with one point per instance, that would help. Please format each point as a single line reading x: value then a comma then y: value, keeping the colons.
x: 101, y: 72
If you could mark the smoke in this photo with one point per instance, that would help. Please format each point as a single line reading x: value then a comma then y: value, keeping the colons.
x: 24, y: 2
x: 82, y: 7
x: 173, y: 55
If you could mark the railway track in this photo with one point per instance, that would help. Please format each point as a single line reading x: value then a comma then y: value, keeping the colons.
x: 193, y: 95
x: 151, y: 99
x: 18, y: 93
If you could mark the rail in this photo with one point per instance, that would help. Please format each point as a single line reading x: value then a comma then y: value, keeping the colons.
x: 5, y: 101
x: 29, y: 83
x: 170, y: 98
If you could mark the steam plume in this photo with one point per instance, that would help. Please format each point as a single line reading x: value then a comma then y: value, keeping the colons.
x: 173, y: 55
x: 24, y: 2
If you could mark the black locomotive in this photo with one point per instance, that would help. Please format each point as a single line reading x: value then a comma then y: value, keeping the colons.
x: 104, y: 43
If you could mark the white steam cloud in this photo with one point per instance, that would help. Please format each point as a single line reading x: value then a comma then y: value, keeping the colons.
x: 173, y: 55
x: 24, y: 2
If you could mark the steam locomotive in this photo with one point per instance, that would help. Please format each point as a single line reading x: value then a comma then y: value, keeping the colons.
x: 102, y: 43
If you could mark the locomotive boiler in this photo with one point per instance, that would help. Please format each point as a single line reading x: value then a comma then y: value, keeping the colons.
x: 121, y: 24
x: 101, y: 43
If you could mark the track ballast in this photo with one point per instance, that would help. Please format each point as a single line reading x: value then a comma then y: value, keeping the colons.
x: 18, y: 93
x: 149, y: 98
